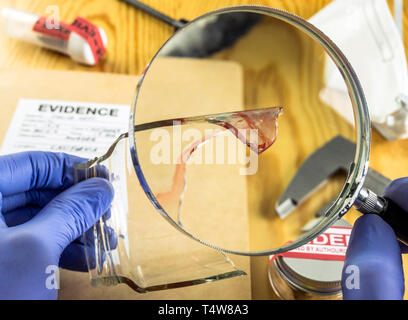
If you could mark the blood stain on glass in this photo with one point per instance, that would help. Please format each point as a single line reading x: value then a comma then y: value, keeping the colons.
x: 240, y: 124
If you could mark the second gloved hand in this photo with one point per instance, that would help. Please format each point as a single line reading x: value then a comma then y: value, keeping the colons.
x: 43, y: 213
x: 373, y: 265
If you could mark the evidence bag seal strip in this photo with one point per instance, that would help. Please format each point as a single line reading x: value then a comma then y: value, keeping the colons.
x: 85, y: 29
x: 331, y: 245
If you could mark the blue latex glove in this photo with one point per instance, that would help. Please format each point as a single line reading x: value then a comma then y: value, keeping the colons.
x: 375, y: 253
x: 42, y: 217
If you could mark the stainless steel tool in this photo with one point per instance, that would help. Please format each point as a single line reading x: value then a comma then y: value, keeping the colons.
x: 335, y: 156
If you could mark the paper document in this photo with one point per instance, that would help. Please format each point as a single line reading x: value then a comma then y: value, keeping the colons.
x: 79, y: 128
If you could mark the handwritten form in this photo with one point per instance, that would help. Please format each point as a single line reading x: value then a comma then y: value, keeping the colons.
x: 79, y: 128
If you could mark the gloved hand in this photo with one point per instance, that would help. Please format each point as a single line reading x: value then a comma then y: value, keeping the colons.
x: 373, y: 264
x: 42, y: 214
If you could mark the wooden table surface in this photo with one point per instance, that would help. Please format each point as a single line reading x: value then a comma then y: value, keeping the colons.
x: 134, y: 37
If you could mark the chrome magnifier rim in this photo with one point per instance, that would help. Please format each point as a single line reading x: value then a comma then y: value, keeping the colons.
x: 359, y: 167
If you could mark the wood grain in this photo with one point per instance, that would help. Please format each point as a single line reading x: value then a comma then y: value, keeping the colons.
x: 134, y: 37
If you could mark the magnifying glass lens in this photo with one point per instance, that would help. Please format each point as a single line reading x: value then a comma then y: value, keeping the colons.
x: 247, y: 161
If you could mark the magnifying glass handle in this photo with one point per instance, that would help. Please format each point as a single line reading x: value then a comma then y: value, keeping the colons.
x: 370, y: 203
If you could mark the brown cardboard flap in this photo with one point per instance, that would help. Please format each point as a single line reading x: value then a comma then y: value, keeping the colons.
x: 119, y: 89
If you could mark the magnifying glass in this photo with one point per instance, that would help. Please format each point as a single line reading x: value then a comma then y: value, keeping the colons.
x: 192, y: 150
x: 269, y: 64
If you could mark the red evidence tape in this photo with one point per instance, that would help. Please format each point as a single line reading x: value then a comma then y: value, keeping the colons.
x: 91, y: 34
x: 59, y: 30
x: 331, y: 245
x: 85, y: 29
